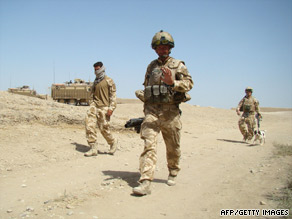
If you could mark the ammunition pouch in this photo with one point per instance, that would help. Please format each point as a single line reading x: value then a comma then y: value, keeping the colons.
x: 156, y: 94
x: 179, y: 97
x: 246, y: 108
x: 161, y: 94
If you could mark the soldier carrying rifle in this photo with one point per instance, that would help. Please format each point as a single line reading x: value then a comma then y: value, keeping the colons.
x: 249, y: 105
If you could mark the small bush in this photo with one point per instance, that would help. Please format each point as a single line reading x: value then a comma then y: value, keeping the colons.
x: 284, y: 198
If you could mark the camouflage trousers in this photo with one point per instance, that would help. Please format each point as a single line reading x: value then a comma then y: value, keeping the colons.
x: 247, y: 125
x: 170, y: 125
x: 96, y: 116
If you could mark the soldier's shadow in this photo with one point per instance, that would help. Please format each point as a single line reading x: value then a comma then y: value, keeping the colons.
x: 130, y: 177
x: 85, y: 148
x: 231, y: 141
x: 81, y: 147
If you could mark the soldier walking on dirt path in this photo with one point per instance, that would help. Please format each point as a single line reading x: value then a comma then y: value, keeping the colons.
x: 249, y: 106
x: 104, y: 103
x: 166, y: 82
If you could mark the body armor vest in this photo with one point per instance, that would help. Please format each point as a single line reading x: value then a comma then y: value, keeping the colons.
x: 156, y: 91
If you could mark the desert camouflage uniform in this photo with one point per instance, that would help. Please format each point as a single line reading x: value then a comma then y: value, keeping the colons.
x: 96, y: 115
x: 250, y: 106
x: 163, y: 117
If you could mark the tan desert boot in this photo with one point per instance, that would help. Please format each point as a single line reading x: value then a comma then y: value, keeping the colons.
x: 171, y: 180
x: 92, y: 151
x: 143, y: 188
x: 113, y: 148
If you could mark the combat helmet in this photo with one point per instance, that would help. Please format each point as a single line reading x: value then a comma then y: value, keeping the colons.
x: 249, y: 89
x: 162, y: 38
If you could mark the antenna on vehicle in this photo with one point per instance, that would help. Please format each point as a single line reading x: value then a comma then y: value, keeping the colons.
x: 54, y: 70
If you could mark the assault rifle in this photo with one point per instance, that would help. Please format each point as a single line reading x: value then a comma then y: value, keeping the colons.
x: 135, y: 123
x: 258, y: 118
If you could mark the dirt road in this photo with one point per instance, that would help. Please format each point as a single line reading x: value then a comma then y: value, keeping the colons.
x: 44, y: 174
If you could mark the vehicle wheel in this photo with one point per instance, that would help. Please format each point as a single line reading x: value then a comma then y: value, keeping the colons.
x: 73, y: 102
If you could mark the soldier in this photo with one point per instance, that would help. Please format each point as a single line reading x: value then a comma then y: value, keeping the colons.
x: 249, y: 105
x: 166, y: 82
x: 100, y: 111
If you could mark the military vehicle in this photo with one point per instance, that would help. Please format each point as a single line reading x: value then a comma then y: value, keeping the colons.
x: 77, y: 93
x: 24, y: 90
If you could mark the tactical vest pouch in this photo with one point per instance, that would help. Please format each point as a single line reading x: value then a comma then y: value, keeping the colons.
x: 178, y: 96
x: 156, y: 94
x: 148, y: 94
x: 164, y: 96
x: 246, y: 108
x: 155, y: 90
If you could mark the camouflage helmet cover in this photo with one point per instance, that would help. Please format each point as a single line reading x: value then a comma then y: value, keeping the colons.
x: 162, y: 38
x: 249, y: 89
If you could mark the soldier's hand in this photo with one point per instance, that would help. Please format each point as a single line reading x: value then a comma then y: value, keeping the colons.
x: 109, y: 112
x: 238, y: 112
x: 167, y: 76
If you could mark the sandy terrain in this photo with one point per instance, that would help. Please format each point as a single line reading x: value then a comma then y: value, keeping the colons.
x: 44, y: 174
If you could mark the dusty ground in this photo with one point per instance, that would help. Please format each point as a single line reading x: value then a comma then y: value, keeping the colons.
x: 43, y: 173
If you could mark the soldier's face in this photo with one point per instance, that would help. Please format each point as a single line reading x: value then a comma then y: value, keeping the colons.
x: 162, y: 51
x: 248, y: 93
x: 97, y: 68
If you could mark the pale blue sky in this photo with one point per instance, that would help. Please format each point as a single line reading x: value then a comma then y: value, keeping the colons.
x: 227, y: 45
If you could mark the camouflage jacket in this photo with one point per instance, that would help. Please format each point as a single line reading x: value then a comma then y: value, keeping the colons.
x: 104, y: 93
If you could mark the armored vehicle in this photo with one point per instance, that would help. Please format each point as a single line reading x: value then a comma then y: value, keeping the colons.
x: 77, y: 93
x: 24, y: 90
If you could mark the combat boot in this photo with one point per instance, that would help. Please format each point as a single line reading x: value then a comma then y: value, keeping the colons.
x: 171, y: 180
x: 143, y: 188
x: 113, y: 148
x: 249, y: 141
x: 92, y: 151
